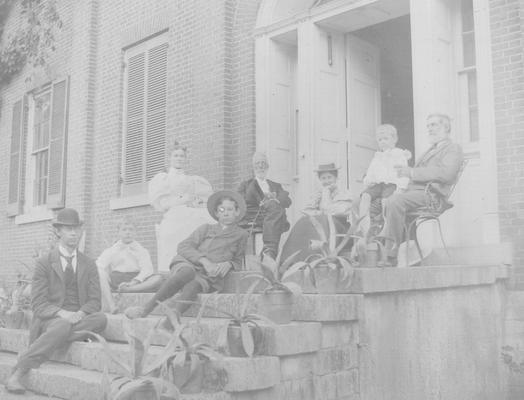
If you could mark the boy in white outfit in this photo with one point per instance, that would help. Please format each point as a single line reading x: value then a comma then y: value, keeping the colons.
x: 123, y: 265
x: 381, y: 178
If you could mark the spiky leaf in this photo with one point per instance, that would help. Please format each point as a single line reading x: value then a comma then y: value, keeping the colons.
x: 247, y: 339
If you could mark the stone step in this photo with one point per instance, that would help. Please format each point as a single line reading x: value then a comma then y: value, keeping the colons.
x: 306, y: 307
x: 28, y: 395
x: 63, y: 381
x: 241, y: 373
x: 275, y: 340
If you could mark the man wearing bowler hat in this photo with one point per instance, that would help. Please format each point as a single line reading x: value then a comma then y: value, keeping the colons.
x: 65, y: 299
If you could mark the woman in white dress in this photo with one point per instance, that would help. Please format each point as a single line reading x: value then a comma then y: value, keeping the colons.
x: 182, y: 198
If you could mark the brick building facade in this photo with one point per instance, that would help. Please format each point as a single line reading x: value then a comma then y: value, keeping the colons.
x: 213, y: 94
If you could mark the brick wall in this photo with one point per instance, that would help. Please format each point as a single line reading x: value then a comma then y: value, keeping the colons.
x: 19, y: 242
x: 508, y: 76
x: 211, y: 105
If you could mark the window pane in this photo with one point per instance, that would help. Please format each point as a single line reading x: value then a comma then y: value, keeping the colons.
x: 468, y: 49
x: 467, y: 16
x: 41, y: 161
x: 41, y: 121
x: 473, y: 124
x: 472, y: 89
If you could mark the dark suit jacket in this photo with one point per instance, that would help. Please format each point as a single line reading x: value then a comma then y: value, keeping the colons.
x: 440, y: 166
x: 253, y: 195
x: 48, y: 288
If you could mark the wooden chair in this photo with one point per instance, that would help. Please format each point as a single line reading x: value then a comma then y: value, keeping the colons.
x: 435, y: 206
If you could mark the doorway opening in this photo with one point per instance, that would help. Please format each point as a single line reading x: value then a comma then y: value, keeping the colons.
x: 393, y: 39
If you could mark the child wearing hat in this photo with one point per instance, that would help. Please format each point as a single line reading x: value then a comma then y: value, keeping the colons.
x: 205, y: 257
x: 381, y: 178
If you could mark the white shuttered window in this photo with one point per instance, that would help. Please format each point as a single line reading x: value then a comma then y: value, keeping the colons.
x: 144, y: 114
x: 38, y: 150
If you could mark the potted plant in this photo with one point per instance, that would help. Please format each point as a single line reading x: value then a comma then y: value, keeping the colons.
x: 241, y: 336
x: 142, y: 379
x: 185, y: 367
x: 15, y: 304
x: 277, y: 297
x: 326, y: 268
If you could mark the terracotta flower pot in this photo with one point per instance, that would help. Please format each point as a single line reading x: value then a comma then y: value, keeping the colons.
x: 326, y: 279
x: 185, y: 382
x: 277, y: 305
x: 372, y: 255
x: 234, y: 340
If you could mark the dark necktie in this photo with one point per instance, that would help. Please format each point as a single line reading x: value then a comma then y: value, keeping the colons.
x: 69, y: 272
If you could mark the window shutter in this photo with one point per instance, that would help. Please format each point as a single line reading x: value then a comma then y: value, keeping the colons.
x: 57, y: 145
x: 156, y: 110
x: 145, y: 119
x: 134, y: 123
x: 17, y: 157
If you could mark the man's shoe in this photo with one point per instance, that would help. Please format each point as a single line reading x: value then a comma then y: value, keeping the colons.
x: 13, y: 384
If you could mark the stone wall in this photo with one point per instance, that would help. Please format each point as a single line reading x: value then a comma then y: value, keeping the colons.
x: 432, y: 333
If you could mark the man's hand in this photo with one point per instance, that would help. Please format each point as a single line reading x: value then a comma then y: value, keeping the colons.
x: 403, y: 171
x: 209, y: 266
x: 125, y: 285
x: 71, y: 316
x: 223, y: 268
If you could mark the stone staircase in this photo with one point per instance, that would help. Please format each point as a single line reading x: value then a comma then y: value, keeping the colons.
x: 315, y: 357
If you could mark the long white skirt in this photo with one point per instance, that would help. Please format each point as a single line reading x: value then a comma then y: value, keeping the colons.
x: 178, y: 223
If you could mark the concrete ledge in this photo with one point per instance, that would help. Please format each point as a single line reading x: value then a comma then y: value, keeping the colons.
x: 276, y: 340
x: 376, y: 280
x: 307, y: 307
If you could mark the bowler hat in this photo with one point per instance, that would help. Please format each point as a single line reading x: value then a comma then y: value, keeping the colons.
x: 67, y: 216
x: 327, y: 168
x: 217, y: 197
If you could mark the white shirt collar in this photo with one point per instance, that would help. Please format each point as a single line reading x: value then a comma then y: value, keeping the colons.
x: 66, y: 253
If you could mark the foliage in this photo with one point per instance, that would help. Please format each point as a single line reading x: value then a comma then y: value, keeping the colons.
x: 329, y: 251
x: 142, y: 371
x: 271, y: 274
x: 187, y: 350
x: 15, y: 303
x: 240, y: 317
x: 32, y: 42
x: 514, y: 358
x: 359, y: 254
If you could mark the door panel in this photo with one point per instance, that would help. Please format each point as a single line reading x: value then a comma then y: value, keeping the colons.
x: 281, y: 134
x: 363, y: 88
x: 329, y: 104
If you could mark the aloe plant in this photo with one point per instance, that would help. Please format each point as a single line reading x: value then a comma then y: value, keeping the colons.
x: 271, y: 274
x: 328, y: 252
x: 187, y: 350
x: 240, y: 317
x: 142, y: 372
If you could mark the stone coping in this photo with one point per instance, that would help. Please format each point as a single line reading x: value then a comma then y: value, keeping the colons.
x: 380, y: 280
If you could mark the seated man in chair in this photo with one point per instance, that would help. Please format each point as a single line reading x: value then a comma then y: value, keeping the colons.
x: 439, y: 165
x: 266, y: 205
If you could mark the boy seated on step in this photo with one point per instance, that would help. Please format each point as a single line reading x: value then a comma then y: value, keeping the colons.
x: 205, y: 257
x: 125, y: 266
x: 381, y: 178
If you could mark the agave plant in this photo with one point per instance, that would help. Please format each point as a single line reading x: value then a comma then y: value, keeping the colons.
x: 240, y: 317
x: 328, y: 252
x: 184, y: 366
x: 141, y: 376
x: 271, y: 272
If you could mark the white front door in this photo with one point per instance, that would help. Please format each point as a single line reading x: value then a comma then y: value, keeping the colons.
x: 280, y: 137
x: 363, y: 94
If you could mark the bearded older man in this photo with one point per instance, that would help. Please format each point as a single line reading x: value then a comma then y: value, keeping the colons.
x: 266, y: 205
x: 439, y: 165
